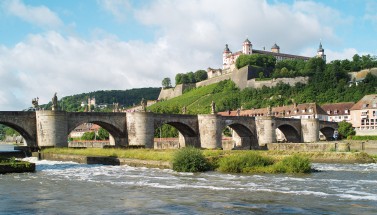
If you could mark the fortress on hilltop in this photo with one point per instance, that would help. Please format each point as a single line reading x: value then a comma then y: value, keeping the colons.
x: 246, y: 76
x: 229, y: 58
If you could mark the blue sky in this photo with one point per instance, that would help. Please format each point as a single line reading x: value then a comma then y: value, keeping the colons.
x: 72, y: 46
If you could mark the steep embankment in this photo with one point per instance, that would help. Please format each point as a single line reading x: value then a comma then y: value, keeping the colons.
x: 199, y: 100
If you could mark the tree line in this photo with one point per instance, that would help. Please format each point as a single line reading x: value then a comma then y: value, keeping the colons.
x: 186, y: 78
x: 125, y: 98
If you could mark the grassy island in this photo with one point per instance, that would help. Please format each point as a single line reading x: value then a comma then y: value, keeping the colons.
x: 11, y: 165
x: 238, y: 161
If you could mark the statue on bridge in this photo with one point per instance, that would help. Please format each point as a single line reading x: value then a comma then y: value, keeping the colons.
x: 269, y: 111
x: 143, y: 105
x: 55, y: 102
x: 34, y: 102
x: 115, y: 107
x: 184, y: 109
x: 213, y: 107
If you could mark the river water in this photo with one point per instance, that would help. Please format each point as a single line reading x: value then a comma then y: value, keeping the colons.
x: 71, y: 188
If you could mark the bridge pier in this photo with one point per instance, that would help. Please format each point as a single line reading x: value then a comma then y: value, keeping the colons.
x: 210, y: 131
x: 52, y: 128
x: 309, y: 130
x: 266, y: 129
x: 140, y: 129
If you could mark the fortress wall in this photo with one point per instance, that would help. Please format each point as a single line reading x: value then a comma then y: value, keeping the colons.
x: 214, y: 80
x: 170, y: 93
x: 272, y: 83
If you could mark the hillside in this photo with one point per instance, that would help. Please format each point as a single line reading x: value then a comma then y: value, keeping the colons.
x: 125, y: 98
x: 328, y: 84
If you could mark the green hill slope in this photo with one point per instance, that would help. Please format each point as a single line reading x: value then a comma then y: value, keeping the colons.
x: 125, y: 98
x: 324, y: 87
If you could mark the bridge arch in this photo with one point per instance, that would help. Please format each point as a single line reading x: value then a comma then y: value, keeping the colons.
x: 188, y: 136
x: 290, y: 133
x: 243, y: 136
x: 23, y: 122
x: 29, y: 138
x: 114, y: 124
x: 328, y: 132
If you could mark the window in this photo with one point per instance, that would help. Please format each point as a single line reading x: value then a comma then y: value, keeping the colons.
x: 328, y: 112
x: 346, y: 111
x: 374, y: 105
x: 335, y: 111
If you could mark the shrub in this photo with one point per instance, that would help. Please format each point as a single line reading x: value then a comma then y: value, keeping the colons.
x: 293, y: 164
x: 189, y: 159
x: 243, y: 163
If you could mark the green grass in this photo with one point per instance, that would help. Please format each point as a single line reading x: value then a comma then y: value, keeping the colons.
x: 363, y: 137
x: 253, y: 162
x: 241, y: 161
x: 198, y: 100
x: 13, y: 162
x: 142, y: 154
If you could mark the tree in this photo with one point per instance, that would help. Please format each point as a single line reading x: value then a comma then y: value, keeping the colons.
x: 166, y: 83
x: 191, y: 77
x: 260, y: 60
x: 200, y: 75
x: 88, y: 136
x: 103, y: 134
x: 178, y: 79
x: 345, y: 129
x: 185, y: 79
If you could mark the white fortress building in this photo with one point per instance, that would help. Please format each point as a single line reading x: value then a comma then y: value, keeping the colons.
x: 229, y: 58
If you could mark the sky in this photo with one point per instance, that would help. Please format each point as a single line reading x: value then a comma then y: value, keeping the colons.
x: 80, y: 46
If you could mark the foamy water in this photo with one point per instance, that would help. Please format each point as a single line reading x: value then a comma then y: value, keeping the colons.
x: 71, y: 188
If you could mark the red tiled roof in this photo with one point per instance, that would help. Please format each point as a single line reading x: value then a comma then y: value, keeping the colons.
x: 367, y: 102
x: 280, y: 111
x: 338, y: 108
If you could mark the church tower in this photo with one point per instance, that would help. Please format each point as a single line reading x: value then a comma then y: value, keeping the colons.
x: 247, y: 47
x: 321, y: 52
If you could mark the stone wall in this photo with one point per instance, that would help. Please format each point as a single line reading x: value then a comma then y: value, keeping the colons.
x: 243, y: 78
x: 178, y: 90
x: 303, y: 147
x: 272, y: 83
x: 214, y: 80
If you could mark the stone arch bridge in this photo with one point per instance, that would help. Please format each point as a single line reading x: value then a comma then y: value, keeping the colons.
x: 47, y: 128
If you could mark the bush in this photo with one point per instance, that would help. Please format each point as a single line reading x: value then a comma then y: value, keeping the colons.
x: 189, y: 159
x: 243, y: 163
x: 293, y: 164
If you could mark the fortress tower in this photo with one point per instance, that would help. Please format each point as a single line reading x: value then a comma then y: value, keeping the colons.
x: 247, y: 47
x: 226, y: 55
x: 275, y: 48
x: 321, y: 52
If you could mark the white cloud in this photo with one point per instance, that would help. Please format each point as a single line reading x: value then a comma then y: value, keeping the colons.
x: 190, y: 35
x: 370, y: 12
x: 118, y: 8
x: 48, y: 63
x: 40, y: 16
x: 331, y: 55
x: 207, y: 25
